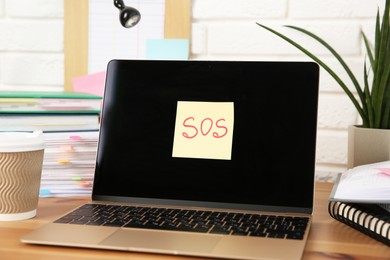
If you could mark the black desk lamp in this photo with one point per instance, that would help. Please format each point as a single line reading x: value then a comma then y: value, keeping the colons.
x: 128, y: 16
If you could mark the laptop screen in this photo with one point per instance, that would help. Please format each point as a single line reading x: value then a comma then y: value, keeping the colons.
x: 225, y: 132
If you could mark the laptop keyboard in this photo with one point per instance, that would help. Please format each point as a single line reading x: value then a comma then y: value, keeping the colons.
x: 213, y: 222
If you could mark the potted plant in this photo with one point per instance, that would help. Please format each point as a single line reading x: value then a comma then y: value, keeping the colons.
x: 372, y: 103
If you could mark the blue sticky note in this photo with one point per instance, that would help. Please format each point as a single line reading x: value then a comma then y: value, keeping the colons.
x: 44, y: 193
x: 167, y: 49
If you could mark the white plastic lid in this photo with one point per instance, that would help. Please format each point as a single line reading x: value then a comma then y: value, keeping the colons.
x: 21, y: 141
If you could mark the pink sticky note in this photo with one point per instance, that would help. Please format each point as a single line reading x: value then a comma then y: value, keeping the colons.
x: 384, y: 170
x: 92, y: 83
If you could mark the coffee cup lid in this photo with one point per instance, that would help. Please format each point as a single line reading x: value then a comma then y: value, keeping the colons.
x: 21, y: 141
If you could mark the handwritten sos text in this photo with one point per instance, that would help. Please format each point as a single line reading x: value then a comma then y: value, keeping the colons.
x: 205, y: 127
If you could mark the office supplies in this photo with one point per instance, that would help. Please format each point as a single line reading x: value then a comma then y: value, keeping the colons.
x: 359, y: 198
x: 384, y: 170
x: 49, y: 102
x: 92, y: 83
x: 201, y: 206
x: 69, y: 163
x: 63, y: 121
x: 369, y: 219
x: 70, y: 124
x: 167, y: 49
x: 363, y: 184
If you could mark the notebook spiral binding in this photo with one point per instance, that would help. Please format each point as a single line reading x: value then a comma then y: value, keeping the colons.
x: 365, y: 218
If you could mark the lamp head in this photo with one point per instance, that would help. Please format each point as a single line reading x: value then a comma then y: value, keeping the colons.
x: 128, y: 16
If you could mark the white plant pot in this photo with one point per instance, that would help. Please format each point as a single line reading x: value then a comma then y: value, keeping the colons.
x: 367, y: 145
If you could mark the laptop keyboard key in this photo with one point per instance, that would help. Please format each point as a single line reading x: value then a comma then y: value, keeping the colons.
x: 80, y: 222
x: 237, y: 224
x: 220, y: 230
x: 202, y: 228
x: 276, y: 235
x: 240, y: 232
x: 295, y: 235
x: 63, y: 220
x: 96, y: 223
x: 258, y: 234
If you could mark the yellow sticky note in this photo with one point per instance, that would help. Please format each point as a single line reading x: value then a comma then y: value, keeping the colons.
x: 63, y: 161
x: 204, y: 130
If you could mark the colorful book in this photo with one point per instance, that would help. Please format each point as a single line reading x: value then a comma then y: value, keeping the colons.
x: 49, y: 102
x: 49, y: 122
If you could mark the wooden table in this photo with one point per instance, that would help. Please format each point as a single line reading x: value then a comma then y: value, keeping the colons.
x: 328, y: 239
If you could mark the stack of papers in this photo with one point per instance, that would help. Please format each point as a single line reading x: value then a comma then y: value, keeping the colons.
x: 68, y: 164
x: 70, y: 125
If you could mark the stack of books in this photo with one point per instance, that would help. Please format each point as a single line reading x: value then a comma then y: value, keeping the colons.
x: 68, y: 163
x: 70, y: 125
x: 49, y: 111
x: 361, y: 199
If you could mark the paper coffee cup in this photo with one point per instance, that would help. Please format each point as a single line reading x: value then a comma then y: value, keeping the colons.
x: 21, y: 158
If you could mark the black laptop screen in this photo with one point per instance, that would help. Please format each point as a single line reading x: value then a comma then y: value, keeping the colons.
x: 213, y: 131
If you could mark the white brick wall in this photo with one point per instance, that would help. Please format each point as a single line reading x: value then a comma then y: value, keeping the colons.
x: 332, y: 9
x: 227, y: 30
x: 1, y: 8
x: 31, y: 49
x: 31, y: 45
x: 35, y: 8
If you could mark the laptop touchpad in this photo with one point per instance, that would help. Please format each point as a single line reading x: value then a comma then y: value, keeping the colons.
x: 163, y: 242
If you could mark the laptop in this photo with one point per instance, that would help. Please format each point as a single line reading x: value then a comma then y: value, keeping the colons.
x: 200, y: 158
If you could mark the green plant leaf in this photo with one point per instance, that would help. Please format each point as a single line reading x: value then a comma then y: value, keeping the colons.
x: 326, y: 67
x: 385, y: 84
x: 370, y: 112
x: 377, y: 41
x: 375, y: 101
x: 369, y: 51
x: 340, y: 60
x: 381, y: 75
x: 335, y: 54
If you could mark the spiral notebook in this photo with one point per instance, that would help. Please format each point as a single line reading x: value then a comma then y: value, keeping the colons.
x: 369, y: 219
